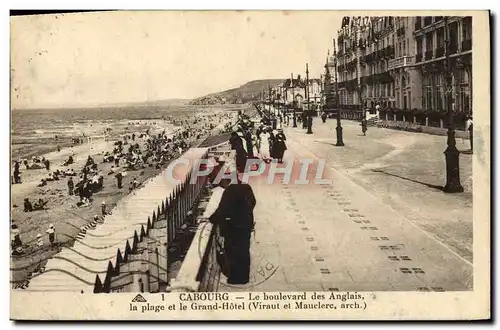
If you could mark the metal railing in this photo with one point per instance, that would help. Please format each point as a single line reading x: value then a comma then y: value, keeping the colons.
x: 400, y: 62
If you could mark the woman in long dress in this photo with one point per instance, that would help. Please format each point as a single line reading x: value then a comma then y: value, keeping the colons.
x: 234, y: 216
x: 266, y: 138
x: 279, y: 146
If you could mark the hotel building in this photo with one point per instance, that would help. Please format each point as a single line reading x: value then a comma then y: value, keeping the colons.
x: 398, y: 64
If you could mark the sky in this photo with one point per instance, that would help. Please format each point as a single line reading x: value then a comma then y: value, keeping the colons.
x: 86, y: 59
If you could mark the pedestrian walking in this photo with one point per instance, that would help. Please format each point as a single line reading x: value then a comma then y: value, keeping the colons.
x: 323, y: 117
x: 364, y: 126
x: 279, y: 146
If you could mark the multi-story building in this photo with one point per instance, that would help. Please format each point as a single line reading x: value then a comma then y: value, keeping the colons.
x: 430, y: 68
x: 365, y: 45
x: 397, y: 65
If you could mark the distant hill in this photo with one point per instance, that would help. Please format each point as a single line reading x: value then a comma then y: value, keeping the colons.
x: 246, y: 93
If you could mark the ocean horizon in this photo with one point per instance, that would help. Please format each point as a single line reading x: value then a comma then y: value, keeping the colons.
x: 33, y: 131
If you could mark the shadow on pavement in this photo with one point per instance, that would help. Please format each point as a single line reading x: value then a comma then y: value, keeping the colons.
x: 415, y: 181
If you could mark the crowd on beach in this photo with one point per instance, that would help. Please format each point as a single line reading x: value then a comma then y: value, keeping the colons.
x: 133, y: 153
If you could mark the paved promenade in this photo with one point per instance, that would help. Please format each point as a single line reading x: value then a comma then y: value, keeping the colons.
x: 341, y: 236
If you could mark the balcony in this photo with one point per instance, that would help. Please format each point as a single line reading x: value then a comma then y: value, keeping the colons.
x: 428, y: 55
x: 418, y: 58
x: 400, y: 62
x: 440, y: 52
x: 466, y: 45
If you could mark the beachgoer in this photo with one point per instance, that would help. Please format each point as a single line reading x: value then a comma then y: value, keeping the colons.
x: 103, y: 208
x: 71, y: 186
x: 15, y: 239
x: 52, y: 234
x: 39, y: 242
x: 28, y: 207
x: 17, y: 177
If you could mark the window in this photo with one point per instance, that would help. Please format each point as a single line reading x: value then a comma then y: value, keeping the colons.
x: 440, y: 37
x: 427, y: 93
x: 427, y: 97
x: 467, y: 28
x: 464, y: 91
x: 419, y: 46
x: 465, y: 98
x: 439, y: 93
x: 428, y: 42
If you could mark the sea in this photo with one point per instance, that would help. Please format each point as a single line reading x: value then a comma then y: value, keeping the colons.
x: 33, y: 131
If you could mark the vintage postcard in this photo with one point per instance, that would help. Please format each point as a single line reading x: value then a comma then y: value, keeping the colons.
x: 250, y: 165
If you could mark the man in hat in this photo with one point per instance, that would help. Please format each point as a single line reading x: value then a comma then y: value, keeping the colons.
x: 234, y: 215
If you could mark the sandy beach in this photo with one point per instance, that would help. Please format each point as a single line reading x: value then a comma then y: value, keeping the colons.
x: 63, y: 212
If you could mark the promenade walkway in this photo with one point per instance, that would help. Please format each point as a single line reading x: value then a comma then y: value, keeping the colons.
x: 75, y: 268
x: 339, y: 236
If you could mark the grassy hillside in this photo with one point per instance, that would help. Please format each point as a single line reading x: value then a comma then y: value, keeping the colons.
x: 246, y: 93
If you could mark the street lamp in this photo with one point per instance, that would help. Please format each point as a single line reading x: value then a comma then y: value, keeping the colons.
x: 340, y: 141
x: 451, y: 153
x: 309, y: 117
x: 293, y: 104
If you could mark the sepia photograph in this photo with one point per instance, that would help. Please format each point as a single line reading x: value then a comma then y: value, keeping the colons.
x: 258, y: 162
